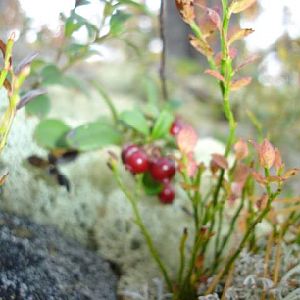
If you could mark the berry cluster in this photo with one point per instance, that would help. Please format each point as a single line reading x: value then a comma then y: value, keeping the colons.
x: 161, y: 169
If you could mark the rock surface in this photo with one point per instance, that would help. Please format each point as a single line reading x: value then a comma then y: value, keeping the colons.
x: 38, y: 263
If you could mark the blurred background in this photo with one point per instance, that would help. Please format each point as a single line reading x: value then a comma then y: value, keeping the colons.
x: 122, y: 53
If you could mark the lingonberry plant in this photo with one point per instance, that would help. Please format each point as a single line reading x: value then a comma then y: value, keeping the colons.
x: 58, y: 138
x: 245, y: 182
x: 11, y: 80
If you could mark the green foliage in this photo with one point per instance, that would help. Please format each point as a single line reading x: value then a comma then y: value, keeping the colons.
x: 51, y: 74
x: 93, y: 136
x: 51, y: 134
x: 136, y: 120
x: 40, y: 107
x: 117, y: 22
x: 151, y: 187
x: 162, y: 125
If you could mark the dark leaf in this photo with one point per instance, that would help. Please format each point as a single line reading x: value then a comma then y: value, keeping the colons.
x: 25, y: 62
x: 64, y: 181
x: 2, y: 48
x: 62, y: 156
x: 81, y: 2
x: 29, y: 96
x: 37, y: 161
x: 7, y: 85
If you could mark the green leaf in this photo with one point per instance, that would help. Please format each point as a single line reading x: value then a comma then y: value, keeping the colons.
x: 151, y: 187
x: 108, y: 10
x: 40, y: 107
x: 51, y: 75
x: 142, y: 7
x: 94, y: 136
x: 71, y: 26
x: 75, y: 22
x: 117, y: 22
x: 74, y: 82
x: 51, y: 134
x: 81, y: 2
x: 162, y: 125
x: 136, y: 120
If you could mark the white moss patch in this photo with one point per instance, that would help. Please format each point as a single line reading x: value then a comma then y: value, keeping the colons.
x: 94, y: 209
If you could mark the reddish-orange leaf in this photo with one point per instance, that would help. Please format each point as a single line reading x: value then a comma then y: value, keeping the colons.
x: 262, y: 201
x: 220, y: 161
x: 238, y: 6
x: 240, y: 34
x: 241, y: 149
x: 232, y: 54
x: 202, y: 46
x: 191, y: 165
x: 214, y: 17
x: 290, y: 173
x: 259, y: 178
x: 241, y: 172
x: 215, y: 74
x: 266, y: 154
x: 248, y: 61
x: 186, y: 139
x: 3, y: 178
x: 278, y: 164
x: 212, y: 14
x: 186, y: 10
x: 240, y: 83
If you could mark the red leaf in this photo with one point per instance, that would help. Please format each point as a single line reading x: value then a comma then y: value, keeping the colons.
x: 215, y: 74
x: 220, y: 161
x: 187, y: 139
x: 232, y: 54
x: 202, y: 46
x: 266, y: 154
x: 240, y: 83
x: 262, y: 201
x: 278, y: 164
x: 248, y: 61
x: 241, y: 149
x: 241, y: 173
x: 259, y: 178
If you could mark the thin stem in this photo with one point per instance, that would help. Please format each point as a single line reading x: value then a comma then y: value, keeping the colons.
x: 231, y: 228
x: 108, y: 101
x: 220, y: 219
x: 143, y: 228
x: 243, y: 242
x: 182, y: 255
x: 162, y: 71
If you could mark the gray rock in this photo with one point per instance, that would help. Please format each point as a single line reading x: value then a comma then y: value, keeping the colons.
x: 38, y: 263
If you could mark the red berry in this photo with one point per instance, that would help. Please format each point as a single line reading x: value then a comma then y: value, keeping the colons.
x: 128, y: 150
x: 137, y: 162
x: 162, y: 168
x: 176, y: 127
x: 167, y: 195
